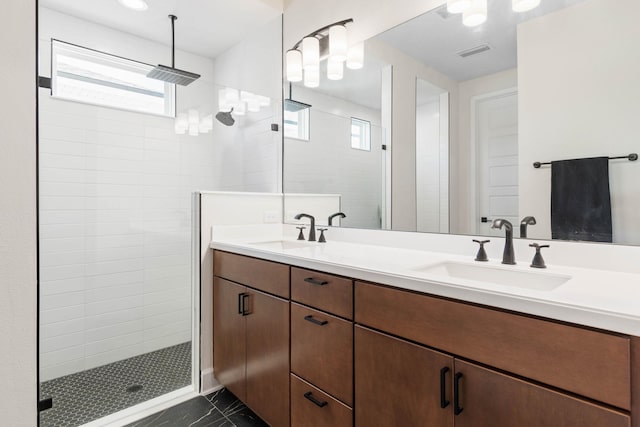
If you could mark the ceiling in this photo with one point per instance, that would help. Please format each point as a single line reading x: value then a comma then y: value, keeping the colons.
x: 204, y: 27
x: 362, y: 87
x: 435, y: 37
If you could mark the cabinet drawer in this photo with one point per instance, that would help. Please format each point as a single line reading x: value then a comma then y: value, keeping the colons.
x: 322, y: 351
x: 310, y: 407
x: 323, y: 291
x: 586, y: 362
x: 264, y: 275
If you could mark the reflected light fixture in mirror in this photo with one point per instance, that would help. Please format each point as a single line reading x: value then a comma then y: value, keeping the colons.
x: 474, y: 12
x: 294, y: 65
x: 137, y: 5
x: 331, y: 43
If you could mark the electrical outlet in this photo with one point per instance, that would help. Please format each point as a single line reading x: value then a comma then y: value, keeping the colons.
x: 271, y: 217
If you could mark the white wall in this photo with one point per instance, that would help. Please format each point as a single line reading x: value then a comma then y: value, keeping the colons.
x: 462, y: 219
x: 115, y: 214
x: 18, y: 392
x: 571, y: 106
x: 327, y: 163
x: 432, y: 159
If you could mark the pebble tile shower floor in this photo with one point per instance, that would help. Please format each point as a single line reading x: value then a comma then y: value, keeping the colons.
x: 98, y: 392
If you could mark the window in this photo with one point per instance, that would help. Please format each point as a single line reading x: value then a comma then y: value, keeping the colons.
x: 360, y: 134
x: 86, y: 75
x: 296, y: 121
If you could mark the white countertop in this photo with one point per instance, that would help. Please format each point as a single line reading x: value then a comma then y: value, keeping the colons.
x: 602, y: 299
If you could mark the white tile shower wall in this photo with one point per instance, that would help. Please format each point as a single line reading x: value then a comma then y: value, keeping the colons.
x: 115, y: 233
x: 115, y: 215
x: 311, y: 166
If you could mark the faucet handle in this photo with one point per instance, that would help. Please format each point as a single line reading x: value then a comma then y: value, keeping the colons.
x: 538, y: 261
x: 301, y: 234
x: 321, y: 239
x: 482, y: 254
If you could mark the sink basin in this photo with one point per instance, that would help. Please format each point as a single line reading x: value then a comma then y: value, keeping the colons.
x: 498, y: 276
x: 282, y: 245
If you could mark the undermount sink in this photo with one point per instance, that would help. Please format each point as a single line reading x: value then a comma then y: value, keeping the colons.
x: 498, y: 276
x: 282, y: 245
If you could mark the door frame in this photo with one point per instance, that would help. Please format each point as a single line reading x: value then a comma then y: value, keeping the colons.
x: 475, y: 102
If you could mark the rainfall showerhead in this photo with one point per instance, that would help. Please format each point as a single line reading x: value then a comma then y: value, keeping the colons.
x: 172, y: 74
x: 225, y: 118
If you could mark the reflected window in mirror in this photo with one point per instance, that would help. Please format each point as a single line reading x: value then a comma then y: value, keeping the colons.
x: 296, y: 124
x: 360, y: 134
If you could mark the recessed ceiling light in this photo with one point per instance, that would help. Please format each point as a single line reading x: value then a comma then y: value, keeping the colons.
x: 138, y: 5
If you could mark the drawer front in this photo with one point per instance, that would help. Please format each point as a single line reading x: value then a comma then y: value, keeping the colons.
x: 586, y: 362
x: 322, y: 351
x: 323, y: 291
x: 310, y: 407
x: 263, y: 275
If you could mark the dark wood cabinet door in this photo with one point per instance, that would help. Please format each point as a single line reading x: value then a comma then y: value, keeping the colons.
x: 322, y: 351
x: 492, y: 399
x: 397, y: 383
x: 268, y: 358
x: 229, y: 330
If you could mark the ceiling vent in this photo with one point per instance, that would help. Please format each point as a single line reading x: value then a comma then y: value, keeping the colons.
x: 474, y: 50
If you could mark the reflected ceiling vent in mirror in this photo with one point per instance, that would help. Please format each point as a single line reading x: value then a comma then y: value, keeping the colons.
x: 137, y: 5
x: 330, y: 43
x: 474, y: 12
x: 474, y: 50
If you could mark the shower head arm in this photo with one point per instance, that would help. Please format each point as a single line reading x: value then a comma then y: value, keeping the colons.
x: 173, y: 40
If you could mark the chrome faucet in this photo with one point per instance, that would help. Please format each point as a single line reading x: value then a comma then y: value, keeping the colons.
x: 527, y: 220
x: 508, y: 256
x: 312, y: 231
x: 330, y: 220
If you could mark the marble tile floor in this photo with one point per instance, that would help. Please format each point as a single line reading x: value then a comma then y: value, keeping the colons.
x: 219, y: 409
x: 88, y: 395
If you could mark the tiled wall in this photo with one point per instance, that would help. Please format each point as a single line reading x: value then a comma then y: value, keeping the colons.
x: 311, y: 166
x: 115, y: 233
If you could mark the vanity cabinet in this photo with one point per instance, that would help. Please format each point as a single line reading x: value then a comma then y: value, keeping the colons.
x: 414, y: 385
x: 584, y: 363
x: 321, y: 349
x: 251, y: 334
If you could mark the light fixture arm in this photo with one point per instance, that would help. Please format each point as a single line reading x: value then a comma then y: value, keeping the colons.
x: 322, y: 31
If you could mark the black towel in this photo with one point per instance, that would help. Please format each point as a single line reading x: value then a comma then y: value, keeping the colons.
x: 580, y: 200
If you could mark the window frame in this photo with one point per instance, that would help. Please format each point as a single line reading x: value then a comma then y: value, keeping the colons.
x: 103, y: 58
x: 365, y: 125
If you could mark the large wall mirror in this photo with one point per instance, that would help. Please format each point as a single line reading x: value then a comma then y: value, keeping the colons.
x: 459, y: 115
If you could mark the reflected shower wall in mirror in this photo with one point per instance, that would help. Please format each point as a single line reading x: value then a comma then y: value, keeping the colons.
x: 554, y: 83
x: 334, y: 145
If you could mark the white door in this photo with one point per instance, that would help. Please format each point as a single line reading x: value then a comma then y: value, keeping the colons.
x: 497, y: 161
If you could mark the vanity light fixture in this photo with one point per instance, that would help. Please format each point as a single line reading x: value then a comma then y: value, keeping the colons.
x: 192, y: 124
x: 137, y: 5
x: 330, y: 43
x: 474, y: 12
